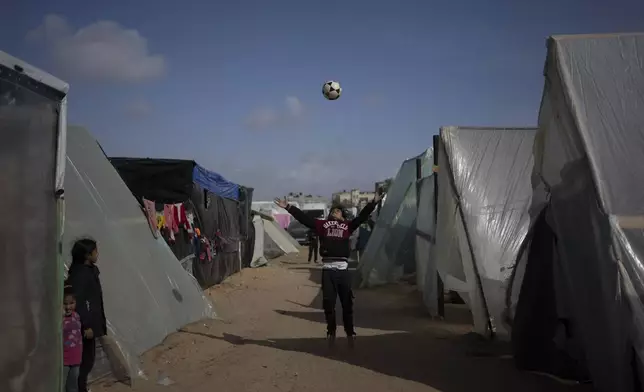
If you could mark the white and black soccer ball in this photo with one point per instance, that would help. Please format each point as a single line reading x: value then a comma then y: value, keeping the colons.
x: 331, y: 90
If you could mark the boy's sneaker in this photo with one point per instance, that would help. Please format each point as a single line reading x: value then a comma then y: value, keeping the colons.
x: 351, y: 341
x: 330, y: 339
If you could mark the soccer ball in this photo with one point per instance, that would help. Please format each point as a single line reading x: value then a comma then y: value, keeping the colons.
x: 331, y: 90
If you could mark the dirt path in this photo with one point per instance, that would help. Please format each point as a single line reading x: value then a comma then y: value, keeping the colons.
x: 272, y: 339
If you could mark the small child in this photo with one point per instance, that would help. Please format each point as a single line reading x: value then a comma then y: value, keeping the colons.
x: 72, y: 342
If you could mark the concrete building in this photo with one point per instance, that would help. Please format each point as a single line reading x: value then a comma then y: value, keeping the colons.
x: 383, y: 184
x: 301, y: 198
x: 353, y: 198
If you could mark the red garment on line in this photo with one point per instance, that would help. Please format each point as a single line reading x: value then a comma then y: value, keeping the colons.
x: 170, y: 223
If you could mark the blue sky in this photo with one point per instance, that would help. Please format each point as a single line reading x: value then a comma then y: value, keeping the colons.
x: 236, y: 85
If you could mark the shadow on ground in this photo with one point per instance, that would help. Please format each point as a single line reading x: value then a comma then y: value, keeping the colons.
x: 404, y: 319
x: 439, y: 363
x: 400, y: 307
x: 412, y: 346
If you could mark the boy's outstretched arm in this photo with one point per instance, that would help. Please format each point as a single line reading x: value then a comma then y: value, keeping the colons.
x: 297, y: 214
x: 365, y: 213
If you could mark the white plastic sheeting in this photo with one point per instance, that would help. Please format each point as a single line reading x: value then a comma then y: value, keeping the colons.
x: 589, y: 180
x: 391, y: 245
x: 147, y: 293
x: 281, y: 237
x: 271, y: 241
x: 32, y: 108
x: 269, y: 208
x: 258, y: 259
x: 484, y: 193
x: 280, y: 233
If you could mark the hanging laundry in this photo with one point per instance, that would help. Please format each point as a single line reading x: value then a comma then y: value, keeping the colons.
x: 151, y: 214
x: 168, y: 215
x: 204, y: 249
x: 180, y: 215
x: 175, y: 215
x: 160, y: 221
x: 283, y: 220
x: 169, y: 220
x: 196, y: 244
x: 190, y: 218
x: 175, y: 219
x: 208, y: 250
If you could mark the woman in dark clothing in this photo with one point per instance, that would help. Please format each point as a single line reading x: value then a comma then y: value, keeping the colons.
x: 84, y: 279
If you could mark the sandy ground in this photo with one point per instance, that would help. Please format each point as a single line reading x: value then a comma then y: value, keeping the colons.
x: 271, y: 338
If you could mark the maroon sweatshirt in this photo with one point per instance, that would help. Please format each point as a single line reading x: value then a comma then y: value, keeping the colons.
x: 335, y: 243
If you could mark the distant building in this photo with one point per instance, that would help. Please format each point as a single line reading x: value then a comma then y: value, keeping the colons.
x: 301, y: 198
x: 353, y: 198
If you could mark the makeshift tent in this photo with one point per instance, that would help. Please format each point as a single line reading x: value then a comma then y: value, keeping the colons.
x: 221, y: 212
x: 580, y: 302
x: 390, y: 251
x: 282, y: 216
x: 33, y: 107
x: 271, y: 241
x: 483, y: 198
x: 146, y: 292
x: 283, y: 233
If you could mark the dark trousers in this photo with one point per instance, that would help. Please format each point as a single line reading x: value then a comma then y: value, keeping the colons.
x: 337, y: 283
x: 89, y: 356
x: 313, y: 251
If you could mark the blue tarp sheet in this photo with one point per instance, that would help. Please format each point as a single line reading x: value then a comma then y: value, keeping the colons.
x: 215, y: 183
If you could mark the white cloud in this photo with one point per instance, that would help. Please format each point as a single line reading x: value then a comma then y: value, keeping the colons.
x: 285, y: 117
x: 104, y: 51
x: 138, y: 109
x: 294, y: 106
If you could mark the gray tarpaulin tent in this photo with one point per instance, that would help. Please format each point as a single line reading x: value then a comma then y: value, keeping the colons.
x: 33, y: 107
x: 391, y: 245
x: 147, y: 293
x: 484, y: 193
x: 580, y: 302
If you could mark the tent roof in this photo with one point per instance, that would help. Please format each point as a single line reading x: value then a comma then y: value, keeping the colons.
x: 495, y: 158
x: 171, y: 180
x: 36, y: 74
x: 603, y: 82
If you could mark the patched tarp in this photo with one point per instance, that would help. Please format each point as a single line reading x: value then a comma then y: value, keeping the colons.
x: 215, y: 183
